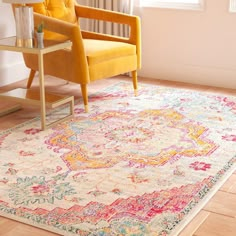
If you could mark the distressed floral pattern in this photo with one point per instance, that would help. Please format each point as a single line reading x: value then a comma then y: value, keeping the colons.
x: 32, y: 131
x: 139, y: 167
x: 38, y: 190
x: 230, y: 137
x: 200, y: 166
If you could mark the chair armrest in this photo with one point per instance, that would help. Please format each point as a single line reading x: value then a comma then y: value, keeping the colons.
x: 73, y: 33
x: 102, y: 14
x: 116, y: 17
x: 111, y: 16
x: 56, y: 25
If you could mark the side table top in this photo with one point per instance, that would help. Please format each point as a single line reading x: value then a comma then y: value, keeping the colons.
x: 9, y: 44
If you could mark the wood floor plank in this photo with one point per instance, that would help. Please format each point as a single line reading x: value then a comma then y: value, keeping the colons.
x: 230, y: 185
x: 217, y: 225
x: 6, y: 225
x: 13, y: 228
x: 222, y: 203
x: 198, y: 220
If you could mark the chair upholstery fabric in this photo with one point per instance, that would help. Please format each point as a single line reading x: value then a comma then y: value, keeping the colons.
x: 63, y: 10
x: 93, y: 56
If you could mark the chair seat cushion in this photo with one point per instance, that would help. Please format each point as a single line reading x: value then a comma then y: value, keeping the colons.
x: 98, y: 51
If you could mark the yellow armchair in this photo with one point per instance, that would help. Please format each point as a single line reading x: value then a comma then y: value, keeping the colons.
x: 93, y: 55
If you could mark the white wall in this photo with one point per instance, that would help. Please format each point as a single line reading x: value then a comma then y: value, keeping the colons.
x: 190, y: 46
x: 12, y: 67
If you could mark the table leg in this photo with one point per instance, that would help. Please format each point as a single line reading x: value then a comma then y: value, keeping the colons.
x: 42, y: 91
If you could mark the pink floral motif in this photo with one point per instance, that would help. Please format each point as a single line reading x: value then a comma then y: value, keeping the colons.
x: 200, y: 166
x: 40, y: 189
x: 2, y: 138
x: 58, y: 168
x: 228, y: 102
x: 4, y: 180
x: 23, y: 153
x: 229, y: 137
x: 32, y: 131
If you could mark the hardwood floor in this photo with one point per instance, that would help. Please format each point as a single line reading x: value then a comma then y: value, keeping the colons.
x: 218, y: 216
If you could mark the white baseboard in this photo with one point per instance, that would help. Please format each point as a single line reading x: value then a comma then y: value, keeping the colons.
x: 202, y: 75
x: 10, y: 73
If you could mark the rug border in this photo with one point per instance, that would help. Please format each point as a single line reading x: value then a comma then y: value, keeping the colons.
x: 204, y: 202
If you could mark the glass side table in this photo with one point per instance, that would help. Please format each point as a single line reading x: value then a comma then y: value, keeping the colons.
x: 31, y: 97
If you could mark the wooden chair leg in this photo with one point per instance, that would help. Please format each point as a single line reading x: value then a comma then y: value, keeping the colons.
x: 30, y: 79
x: 85, y: 96
x: 135, y: 82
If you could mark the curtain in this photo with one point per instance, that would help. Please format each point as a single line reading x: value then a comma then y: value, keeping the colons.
x: 124, y: 6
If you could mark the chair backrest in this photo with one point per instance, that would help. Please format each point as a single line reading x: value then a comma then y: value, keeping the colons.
x: 60, y: 9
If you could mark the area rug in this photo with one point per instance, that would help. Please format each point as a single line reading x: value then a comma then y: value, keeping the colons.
x: 135, y: 166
